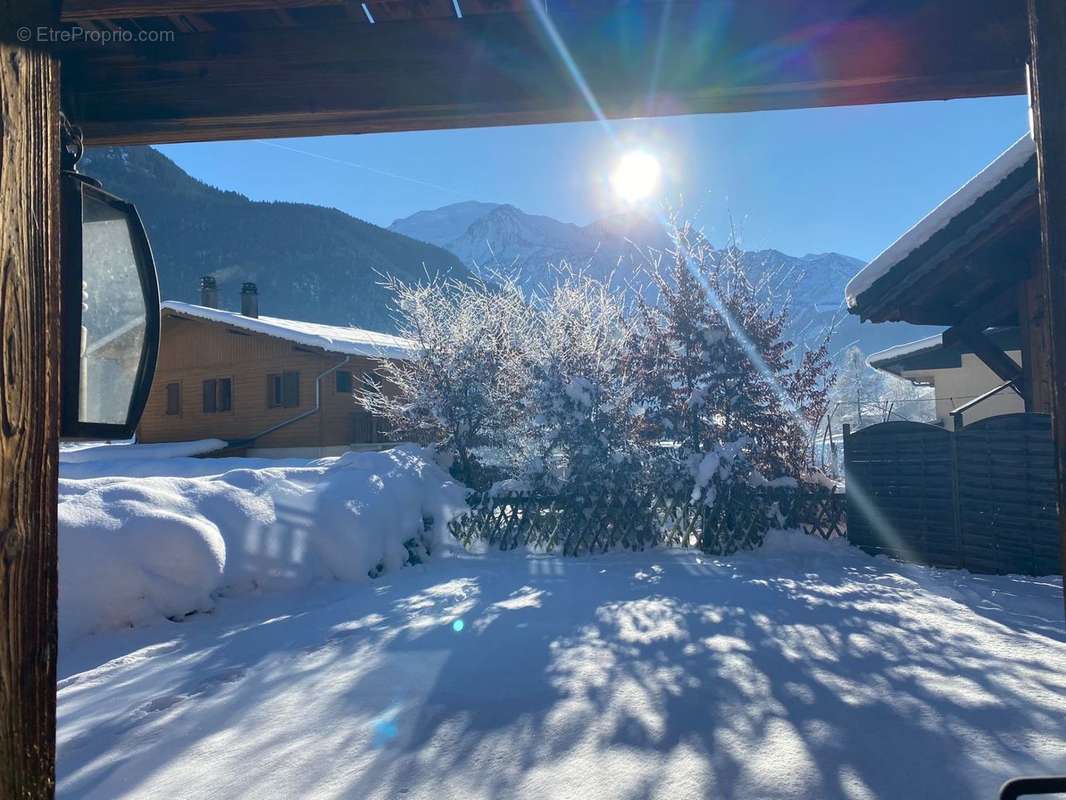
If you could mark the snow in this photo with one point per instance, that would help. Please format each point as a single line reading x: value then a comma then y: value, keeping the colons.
x: 806, y: 669
x: 109, y: 452
x: 145, y: 540
x: 716, y: 463
x: 334, y: 338
x: 987, y: 179
x: 580, y: 391
x: 908, y: 349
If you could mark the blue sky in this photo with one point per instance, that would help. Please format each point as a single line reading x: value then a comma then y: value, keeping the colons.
x: 844, y: 179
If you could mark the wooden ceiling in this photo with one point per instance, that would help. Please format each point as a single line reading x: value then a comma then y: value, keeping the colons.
x: 228, y: 69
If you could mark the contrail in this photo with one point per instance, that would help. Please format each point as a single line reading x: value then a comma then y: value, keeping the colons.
x: 354, y: 165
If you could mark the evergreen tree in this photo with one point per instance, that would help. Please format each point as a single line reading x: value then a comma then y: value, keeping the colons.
x: 717, y: 368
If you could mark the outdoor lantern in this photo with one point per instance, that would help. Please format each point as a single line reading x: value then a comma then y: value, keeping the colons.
x: 110, y: 307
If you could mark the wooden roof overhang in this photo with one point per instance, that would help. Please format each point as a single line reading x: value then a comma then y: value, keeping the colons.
x: 968, y: 266
x: 267, y: 68
x: 937, y: 355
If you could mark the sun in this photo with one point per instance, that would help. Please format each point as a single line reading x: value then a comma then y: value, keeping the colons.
x: 636, y: 176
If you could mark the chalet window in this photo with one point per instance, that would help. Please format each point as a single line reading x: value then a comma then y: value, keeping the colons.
x: 218, y: 395
x: 173, y: 399
x: 344, y: 381
x: 283, y: 390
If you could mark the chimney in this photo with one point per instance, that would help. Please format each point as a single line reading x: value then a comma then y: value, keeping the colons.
x: 208, y: 292
x: 249, y: 300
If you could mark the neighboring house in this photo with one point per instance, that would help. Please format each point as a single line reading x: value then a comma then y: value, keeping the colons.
x: 956, y: 375
x: 970, y: 265
x: 267, y: 386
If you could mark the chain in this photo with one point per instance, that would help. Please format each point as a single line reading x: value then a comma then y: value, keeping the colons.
x: 72, y: 144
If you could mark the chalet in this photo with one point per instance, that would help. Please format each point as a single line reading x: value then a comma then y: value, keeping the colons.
x: 267, y: 386
x: 957, y: 376
x: 971, y: 265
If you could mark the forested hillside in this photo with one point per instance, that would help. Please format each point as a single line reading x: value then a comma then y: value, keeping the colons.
x: 310, y: 262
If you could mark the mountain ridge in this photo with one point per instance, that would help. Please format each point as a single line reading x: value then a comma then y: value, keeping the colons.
x: 521, y: 244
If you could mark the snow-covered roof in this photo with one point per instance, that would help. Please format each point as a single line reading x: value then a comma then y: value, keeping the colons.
x: 1014, y: 158
x: 333, y: 338
x: 880, y: 359
x: 930, y: 352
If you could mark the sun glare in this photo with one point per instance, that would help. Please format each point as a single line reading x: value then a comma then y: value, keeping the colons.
x: 636, y: 177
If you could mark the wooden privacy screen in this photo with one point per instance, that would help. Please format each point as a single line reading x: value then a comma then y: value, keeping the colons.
x: 982, y: 498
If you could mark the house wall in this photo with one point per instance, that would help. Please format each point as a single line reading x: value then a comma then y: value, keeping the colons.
x: 953, y: 387
x: 192, y: 351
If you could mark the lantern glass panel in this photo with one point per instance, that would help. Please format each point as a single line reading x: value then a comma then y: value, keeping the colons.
x: 114, y: 317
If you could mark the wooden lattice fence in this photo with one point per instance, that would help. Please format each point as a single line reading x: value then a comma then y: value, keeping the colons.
x: 582, y: 524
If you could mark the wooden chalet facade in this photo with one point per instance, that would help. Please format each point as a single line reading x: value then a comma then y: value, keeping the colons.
x: 266, y: 386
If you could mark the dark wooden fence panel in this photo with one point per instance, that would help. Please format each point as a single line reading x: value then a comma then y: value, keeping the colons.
x: 900, y: 494
x: 982, y: 498
x: 1007, y: 509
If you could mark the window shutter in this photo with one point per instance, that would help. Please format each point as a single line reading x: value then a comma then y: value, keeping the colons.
x: 209, y: 397
x: 291, y: 389
x: 225, y: 394
x: 173, y: 398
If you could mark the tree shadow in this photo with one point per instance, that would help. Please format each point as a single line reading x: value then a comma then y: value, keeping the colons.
x: 624, y: 676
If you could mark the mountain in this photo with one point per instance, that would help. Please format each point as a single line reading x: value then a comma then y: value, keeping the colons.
x: 508, y: 239
x: 440, y: 225
x: 309, y: 262
x: 484, y: 235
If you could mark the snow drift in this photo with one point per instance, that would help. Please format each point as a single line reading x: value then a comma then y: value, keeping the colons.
x: 162, y: 539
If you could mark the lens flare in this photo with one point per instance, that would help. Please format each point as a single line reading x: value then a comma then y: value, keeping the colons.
x: 636, y: 177
x: 458, y: 626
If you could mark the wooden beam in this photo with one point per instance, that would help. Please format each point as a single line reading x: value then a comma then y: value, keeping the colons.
x: 1036, y: 344
x: 83, y: 10
x: 1047, y: 98
x: 988, y: 351
x: 86, y: 10
x: 502, y: 69
x: 29, y: 392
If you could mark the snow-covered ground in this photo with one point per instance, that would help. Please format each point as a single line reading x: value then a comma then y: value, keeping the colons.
x: 804, y: 670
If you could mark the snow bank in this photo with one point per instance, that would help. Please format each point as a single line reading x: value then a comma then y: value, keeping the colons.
x: 164, y: 541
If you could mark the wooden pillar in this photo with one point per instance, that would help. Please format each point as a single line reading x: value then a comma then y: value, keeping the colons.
x: 1047, y: 100
x: 29, y: 392
x: 1033, y: 324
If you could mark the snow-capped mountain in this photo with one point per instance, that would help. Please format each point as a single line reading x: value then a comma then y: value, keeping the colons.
x: 441, y: 225
x: 507, y: 239
x: 490, y: 236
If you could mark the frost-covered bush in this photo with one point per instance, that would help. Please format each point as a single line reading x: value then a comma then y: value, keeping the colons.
x: 694, y: 396
x: 579, y: 432
x: 463, y: 390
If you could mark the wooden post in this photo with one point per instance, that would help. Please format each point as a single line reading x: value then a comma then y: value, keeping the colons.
x: 29, y: 392
x: 1036, y: 342
x: 1047, y: 101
